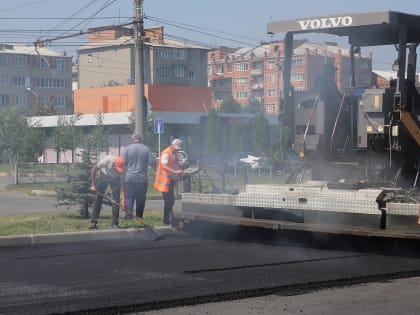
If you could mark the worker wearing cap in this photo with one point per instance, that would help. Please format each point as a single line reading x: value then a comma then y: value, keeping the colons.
x: 167, y: 174
x: 137, y: 157
x: 111, y: 173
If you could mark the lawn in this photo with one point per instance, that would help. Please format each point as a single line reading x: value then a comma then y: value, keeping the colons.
x: 68, y: 221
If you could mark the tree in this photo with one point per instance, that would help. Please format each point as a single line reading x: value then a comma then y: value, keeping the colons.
x: 98, y: 136
x: 212, y: 132
x: 261, y: 134
x: 229, y: 105
x: 66, y: 135
x: 238, y: 139
x: 21, y: 140
x: 78, y: 193
x: 254, y: 107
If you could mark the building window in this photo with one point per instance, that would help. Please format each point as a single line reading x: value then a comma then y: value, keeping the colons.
x: 51, y: 83
x: 163, y: 71
x: 60, y: 101
x: 180, y: 54
x: 4, y: 60
x: 229, y: 67
x: 271, y: 78
x: 270, y: 108
x: 242, y: 81
x: 258, y: 94
x: 297, y: 62
x: 297, y: 76
x: 241, y: 94
x: 191, y: 74
x: 43, y: 63
x: 219, y: 68
x: 242, y: 67
x: 21, y: 100
x: 19, y: 81
x: 271, y: 92
x: 43, y: 100
x: 271, y: 64
x: 162, y: 53
x: 4, y: 99
x: 59, y: 64
x: 179, y: 71
x: 21, y: 61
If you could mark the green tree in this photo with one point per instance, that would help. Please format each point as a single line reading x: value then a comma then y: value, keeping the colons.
x: 238, y: 139
x: 20, y: 139
x: 98, y: 136
x: 229, y: 105
x: 66, y: 135
x: 44, y: 110
x: 254, y: 107
x: 261, y: 134
x: 212, y: 132
x: 78, y: 193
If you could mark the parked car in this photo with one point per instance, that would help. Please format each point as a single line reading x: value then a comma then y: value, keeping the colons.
x: 257, y: 162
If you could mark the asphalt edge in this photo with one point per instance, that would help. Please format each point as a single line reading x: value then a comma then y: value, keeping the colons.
x: 74, y: 237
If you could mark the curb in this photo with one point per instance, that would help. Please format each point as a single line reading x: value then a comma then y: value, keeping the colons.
x: 74, y: 237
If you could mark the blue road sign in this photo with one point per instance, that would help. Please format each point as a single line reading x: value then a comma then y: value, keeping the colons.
x: 158, y: 126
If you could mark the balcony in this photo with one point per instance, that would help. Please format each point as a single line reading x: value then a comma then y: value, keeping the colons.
x: 257, y: 86
x: 256, y: 72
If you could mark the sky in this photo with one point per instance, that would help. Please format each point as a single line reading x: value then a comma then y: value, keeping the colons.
x: 232, y: 23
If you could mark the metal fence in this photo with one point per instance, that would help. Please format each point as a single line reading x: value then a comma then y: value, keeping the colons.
x: 41, y: 172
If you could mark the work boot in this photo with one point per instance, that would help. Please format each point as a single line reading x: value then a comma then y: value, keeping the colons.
x: 92, y: 225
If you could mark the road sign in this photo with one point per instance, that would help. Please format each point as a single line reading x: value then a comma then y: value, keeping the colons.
x: 158, y: 126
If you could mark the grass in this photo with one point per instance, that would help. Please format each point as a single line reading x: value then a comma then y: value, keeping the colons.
x: 71, y: 221
x: 68, y: 221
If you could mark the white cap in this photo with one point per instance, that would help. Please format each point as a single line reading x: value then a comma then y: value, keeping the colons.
x: 177, y: 144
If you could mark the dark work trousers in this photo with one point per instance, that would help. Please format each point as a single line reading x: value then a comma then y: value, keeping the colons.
x: 102, y: 183
x: 135, y: 192
x: 168, y: 202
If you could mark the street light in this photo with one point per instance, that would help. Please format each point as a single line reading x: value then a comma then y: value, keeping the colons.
x: 36, y: 95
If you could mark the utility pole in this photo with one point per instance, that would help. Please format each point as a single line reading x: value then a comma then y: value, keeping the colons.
x: 140, y: 109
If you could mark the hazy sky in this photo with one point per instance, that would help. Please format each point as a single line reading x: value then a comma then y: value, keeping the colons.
x: 232, y: 23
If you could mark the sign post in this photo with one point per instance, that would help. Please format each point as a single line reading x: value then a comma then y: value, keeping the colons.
x: 158, y: 129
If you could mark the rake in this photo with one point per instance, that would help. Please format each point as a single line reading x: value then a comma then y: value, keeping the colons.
x: 148, y: 229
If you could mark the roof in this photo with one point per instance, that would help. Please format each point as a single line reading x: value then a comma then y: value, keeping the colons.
x: 123, y: 118
x: 128, y: 40
x: 388, y: 75
x: 363, y: 29
x: 29, y: 50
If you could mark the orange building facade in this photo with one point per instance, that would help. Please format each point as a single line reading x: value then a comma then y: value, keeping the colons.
x: 162, y: 98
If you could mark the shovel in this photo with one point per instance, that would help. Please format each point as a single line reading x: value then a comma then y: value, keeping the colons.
x: 148, y: 229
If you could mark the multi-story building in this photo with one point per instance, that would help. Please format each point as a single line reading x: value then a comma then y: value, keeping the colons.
x: 256, y: 73
x: 31, y: 77
x: 109, y: 59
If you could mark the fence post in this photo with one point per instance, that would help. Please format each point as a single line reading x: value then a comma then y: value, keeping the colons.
x: 16, y: 173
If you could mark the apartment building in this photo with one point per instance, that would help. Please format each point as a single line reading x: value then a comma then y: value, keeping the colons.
x: 109, y: 59
x: 256, y: 73
x: 31, y: 77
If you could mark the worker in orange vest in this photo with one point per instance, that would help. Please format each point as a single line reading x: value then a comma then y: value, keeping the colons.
x: 167, y: 174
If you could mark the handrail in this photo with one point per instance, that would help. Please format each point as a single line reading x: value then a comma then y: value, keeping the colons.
x: 310, y: 120
x: 336, y: 120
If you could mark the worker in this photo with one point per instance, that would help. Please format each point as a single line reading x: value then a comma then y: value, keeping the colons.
x: 111, y: 174
x: 167, y: 174
x: 137, y: 157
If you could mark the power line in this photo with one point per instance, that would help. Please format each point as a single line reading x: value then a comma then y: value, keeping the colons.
x: 204, y: 33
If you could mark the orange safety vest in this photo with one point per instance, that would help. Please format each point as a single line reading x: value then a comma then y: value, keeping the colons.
x: 163, y: 177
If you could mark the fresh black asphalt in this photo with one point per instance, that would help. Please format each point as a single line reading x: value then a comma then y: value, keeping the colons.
x: 116, y: 276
